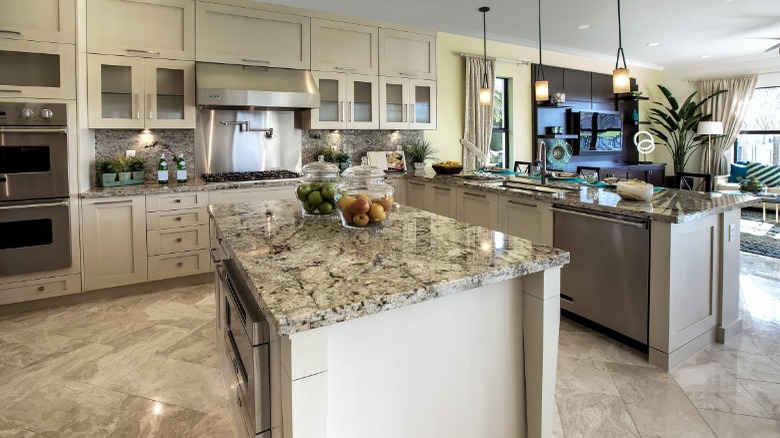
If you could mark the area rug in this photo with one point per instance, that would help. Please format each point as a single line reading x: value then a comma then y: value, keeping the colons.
x: 758, y: 237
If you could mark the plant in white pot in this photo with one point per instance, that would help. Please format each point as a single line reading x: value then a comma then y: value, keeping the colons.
x: 417, y: 151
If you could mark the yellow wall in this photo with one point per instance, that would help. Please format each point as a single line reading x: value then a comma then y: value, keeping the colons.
x: 451, y: 76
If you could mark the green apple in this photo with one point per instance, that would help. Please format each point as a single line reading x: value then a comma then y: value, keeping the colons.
x: 315, y: 197
x: 303, y: 191
x: 325, y: 208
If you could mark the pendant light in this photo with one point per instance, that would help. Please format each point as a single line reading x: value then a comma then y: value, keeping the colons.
x: 621, y: 81
x: 541, y: 87
x: 485, y: 96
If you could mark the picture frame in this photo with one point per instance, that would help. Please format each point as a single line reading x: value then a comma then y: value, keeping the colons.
x: 390, y: 161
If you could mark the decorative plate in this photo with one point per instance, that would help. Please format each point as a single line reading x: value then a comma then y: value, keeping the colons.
x: 559, y: 153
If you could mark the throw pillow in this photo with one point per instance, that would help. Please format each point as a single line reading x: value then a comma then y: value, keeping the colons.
x: 767, y: 174
x: 738, y: 170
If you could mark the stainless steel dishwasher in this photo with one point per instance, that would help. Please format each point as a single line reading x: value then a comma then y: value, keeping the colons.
x: 607, y: 281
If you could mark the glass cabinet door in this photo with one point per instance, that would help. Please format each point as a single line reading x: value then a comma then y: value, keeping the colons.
x: 114, y: 92
x: 33, y: 69
x: 169, y: 94
x: 394, y: 103
x: 423, y: 97
x: 331, y: 113
x: 362, y: 102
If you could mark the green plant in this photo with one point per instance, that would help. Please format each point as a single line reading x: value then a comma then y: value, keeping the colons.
x: 137, y: 163
x: 107, y: 165
x: 333, y: 155
x: 124, y: 164
x: 417, y: 151
x: 751, y: 184
x: 678, y: 126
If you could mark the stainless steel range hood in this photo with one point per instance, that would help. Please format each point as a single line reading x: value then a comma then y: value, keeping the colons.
x: 249, y: 87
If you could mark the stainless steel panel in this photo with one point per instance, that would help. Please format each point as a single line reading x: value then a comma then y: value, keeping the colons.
x: 34, y: 236
x: 33, y: 165
x: 608, y: 277
x: 226, y: 148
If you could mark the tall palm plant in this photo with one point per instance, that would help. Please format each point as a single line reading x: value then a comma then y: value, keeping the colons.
x: 678, y: 126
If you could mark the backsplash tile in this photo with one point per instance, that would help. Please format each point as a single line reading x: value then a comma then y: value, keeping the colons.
x: 113, y: 142
x: 354, y: 142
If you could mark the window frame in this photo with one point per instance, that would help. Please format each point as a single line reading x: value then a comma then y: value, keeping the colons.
x: 505, y: 130
x: 736, y: 148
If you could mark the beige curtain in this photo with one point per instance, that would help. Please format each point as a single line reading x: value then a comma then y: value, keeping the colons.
x: 729, y: 108
x: 479, y: 118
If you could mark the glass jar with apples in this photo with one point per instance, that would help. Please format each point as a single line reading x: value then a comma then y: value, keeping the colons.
x: 363, y: 198
x: 317, y: 190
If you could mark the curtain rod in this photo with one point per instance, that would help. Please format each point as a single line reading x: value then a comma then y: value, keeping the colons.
x: 515, y: 61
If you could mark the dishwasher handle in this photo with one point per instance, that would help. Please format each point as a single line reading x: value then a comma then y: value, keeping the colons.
x: 639, y: 223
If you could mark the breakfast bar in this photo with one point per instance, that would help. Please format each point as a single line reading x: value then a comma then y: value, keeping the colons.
x: 427, y: 327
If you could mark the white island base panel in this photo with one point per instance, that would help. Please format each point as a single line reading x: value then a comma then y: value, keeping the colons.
x: 476, y: 363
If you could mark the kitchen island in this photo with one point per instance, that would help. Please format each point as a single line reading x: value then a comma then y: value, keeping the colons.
x: 429, y: 327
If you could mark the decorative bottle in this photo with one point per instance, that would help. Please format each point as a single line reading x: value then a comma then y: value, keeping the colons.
x: 162, y: 170
x: 181, y: 169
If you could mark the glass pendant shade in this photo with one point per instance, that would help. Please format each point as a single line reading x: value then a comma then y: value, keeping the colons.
x: 485, y: 96
x: 621, y: 81
x: 542, y: 90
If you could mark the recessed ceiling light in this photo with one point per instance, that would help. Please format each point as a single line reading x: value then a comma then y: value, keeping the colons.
x: 704, y: 56
x: 583, y: 26
x: 653, y: 44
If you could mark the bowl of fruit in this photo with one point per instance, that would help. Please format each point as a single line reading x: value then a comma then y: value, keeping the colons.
x: 447, y: 167
x: 364, y: 199
x: 317, y: 191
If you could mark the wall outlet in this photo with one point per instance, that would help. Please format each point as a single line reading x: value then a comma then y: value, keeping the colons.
x: 130, y: 153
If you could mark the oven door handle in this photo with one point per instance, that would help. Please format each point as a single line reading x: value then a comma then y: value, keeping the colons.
x: 34, y: 130
x: 41, y: 205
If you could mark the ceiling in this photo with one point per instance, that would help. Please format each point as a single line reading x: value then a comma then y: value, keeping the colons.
x: 687, y: 30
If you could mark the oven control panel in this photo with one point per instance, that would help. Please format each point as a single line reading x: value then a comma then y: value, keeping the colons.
x: 32, y: 114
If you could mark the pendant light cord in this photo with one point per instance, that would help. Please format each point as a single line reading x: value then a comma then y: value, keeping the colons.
x: 620, y: 52
x: 541, y: 66
x: 484, y: 11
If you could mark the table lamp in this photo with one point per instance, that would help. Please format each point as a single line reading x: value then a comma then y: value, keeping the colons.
x: 709, y: 129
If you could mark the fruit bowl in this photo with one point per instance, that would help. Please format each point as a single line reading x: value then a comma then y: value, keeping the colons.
x: 364, y: 210
x: 447, y: 168
x: 316, y: 198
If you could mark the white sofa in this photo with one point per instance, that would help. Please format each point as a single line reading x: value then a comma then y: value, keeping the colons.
x: 722, y: 184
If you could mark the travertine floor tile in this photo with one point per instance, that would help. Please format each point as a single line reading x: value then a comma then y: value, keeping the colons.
x: 740, y: 426
x: 30, y: 345
x: 102, y: 328
x: 583, y: 375
x: 198, y: 347
x: 557, y: 427
x: 744, y: 361
x: 599, y: 348
x: 568, y: 325
x: 217, y: 423
x: 8, y: 430
x: 586, y: 415
x: 658, y: 407
x: 768, y: 394
x: 72, y: 409
x: 174, y: 382
x: 160, y: 420
x: 186, y: 316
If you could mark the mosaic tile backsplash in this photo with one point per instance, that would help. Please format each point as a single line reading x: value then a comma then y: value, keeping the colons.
x: 355, y: 142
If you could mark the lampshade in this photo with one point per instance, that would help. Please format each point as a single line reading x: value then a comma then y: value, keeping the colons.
x: 485, y: 97
x: 542, y: 90
x: 621, y: 81
x: 710, y: 128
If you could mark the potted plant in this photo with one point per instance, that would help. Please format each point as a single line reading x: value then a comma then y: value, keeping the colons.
x: 675, y: 125
x: 137, y: 166
x: 106, y: 171
x: 417, y: 151
x: 751, y: 185
x: 335, y: 156
x: 124, y: 171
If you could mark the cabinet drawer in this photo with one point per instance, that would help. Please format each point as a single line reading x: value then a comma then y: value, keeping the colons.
x: 179, y: 265
x: 177, y: 201
x: 177, y: 239
x: 177, y: 218
x: 37, y: 289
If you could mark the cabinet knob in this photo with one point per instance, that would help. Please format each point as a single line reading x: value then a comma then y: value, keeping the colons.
x: 41, y: 288
x: 178, y: 218
x: 177, y: 201
x: 178, y: 240
x: 179, y: 265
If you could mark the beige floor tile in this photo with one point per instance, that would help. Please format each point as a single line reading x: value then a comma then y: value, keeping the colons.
x: 710, y: 386
x: 744, y: 361
x: 557, y: 427
x: 198, y: 347
x: 658, y: 407
x: 740, y: 426
x: 186, y: 316
x: 599, y: 348
x: 175, y: 382
x: 192, y: 295
x: 8, y: 430
x: 570, y: 326
x: 159, y: 420
x: 217, y: 423
x: 768, y: 394
x: 586, y: 415
x: 30, y: 345
x: 103, y: 328
x: 72, y: 409
x: 583, y: 375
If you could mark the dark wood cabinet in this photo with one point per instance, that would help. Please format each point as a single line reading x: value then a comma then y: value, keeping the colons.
x: 601, y: 88
x: 576, y: 85
x: 650, y: 172
x: 554, y: 77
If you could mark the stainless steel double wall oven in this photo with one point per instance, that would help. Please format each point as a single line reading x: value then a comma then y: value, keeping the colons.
x: 34, y: 203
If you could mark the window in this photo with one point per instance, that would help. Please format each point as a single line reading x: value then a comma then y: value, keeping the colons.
x: 499, y: 142
x: 759, y: 140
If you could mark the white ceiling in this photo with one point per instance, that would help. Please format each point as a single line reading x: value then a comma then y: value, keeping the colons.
x: 724, y: 30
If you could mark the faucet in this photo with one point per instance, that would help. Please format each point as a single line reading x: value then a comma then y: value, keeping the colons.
x: 541, y: 160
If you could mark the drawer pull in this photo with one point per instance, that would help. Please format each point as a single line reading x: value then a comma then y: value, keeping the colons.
x: 12, y: 32
x: 447, y: 189
x: 522, y: 204
x: 148, y: 52
x: 116, y: 201
x: 476, y: 195
x: 407, y: 74
x: 178, y: 201
x: 178, y: 218
x: 258, y: 61
x: 179, y: 265
x: 178, y: 240
x: 10, y: 91
x: 41, y: 288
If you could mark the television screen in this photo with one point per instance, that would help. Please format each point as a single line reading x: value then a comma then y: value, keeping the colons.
x: 601, y: 132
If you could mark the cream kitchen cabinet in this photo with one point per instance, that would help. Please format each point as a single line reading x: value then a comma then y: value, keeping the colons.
x: 130, y: 92
x: 344, y: 47
x: 347, y: 101
x: 407, y: 54
x: 235, y: 35
x: 399, y: 187
x: 251, y: 194
x: 150, y: 28
x: 417, y: 194
x: 40, y: 20
x: 442, y: 199
x: 526, y: 218
x: 114, y: 241
x: 49, y: 69
x: 479, y: 208
x: 407, y: 103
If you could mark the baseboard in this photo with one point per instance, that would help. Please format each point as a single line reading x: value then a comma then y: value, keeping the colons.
x: 725, y: 334
x: 670, y: 361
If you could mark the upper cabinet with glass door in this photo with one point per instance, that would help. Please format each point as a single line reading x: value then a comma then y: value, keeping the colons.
x: 34, y: 69
x: 407, y: 54
x: 344, y: 47
x: 347, y: 101
x: 51, y: 21
x: 407, y: 103
x: 148, y: 28
x: 129, y: 92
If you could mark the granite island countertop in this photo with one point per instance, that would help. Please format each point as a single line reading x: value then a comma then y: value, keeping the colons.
x: 192, y: 185
x: 309, y: 272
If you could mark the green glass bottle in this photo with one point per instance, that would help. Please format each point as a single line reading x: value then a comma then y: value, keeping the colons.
x: 162, y: 170
x: 181, y: 169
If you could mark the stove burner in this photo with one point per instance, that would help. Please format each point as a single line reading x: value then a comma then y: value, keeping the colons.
x: 250, y: 176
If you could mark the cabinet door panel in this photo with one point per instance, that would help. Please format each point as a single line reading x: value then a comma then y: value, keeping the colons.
x: 362, y: 102
x: 33, y: 69
x: 179, y: 265
x: 345, y: 47
x: 416, y: 195
x: 525, y: 218
x: 407, y: 54
x: 422, y: 98
x: 278, y: 40
x: 394, y: 103
x: 443, y: 201
x: 40, y: 20
x: 333, y: 95
x: 169, y: 98
x: 577, y: 85
x: 602, y: 89
x: 115, y: 92
x: 154, y: 28
x: 479, y: 209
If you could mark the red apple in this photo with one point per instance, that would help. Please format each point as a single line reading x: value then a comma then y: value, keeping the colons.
x: 361, y: 219
x: 360, y: 205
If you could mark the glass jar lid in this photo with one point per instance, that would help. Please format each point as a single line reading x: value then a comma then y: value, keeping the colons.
x: 320, y: 168
x: 364, y: 171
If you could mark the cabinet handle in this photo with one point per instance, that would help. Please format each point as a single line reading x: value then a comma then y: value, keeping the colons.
x: 341, y: 111
x: 179, y: 265
x: 407, y: 74
x: 178, y: 240
x: 412, y: 116
x: 178, y: 201
x: 446, y: 189
x: 405, y: 113
x: 416, y: 183
x: 149, y: 105
x: 178, y: 218
x: 117, y: 201
x: 350, y: 112
x: 137, y: 107
x: 11, y: 32
x: 41, y: 288
x: 521, y: 204
x: 476, y: 195
x: 346, y: 69
x: 10, y: 91
x: 257, y: 61
x: 148, y: 52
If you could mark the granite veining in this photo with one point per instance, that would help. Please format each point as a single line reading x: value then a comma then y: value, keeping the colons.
x: 311, y: 272
x: 355, y: 142
x: 113, y: 142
